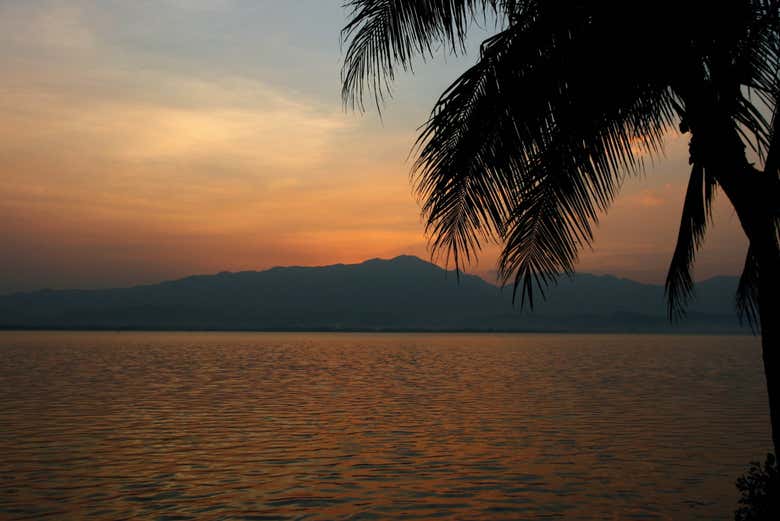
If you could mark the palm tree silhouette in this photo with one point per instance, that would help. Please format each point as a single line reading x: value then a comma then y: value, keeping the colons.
x: 566, y: 99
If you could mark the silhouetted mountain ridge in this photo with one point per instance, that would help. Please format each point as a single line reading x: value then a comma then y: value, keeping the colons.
x: 404, y: 293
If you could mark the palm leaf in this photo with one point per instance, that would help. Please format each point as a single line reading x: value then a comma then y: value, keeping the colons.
x: 487, y: 153
x: 573, y: 179
x: 465, y: 173
x: 385, y: 33
x: 531, y: 143
x: 696, y: 214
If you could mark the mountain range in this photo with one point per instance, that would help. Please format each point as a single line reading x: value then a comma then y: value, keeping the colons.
x: 401, y: 294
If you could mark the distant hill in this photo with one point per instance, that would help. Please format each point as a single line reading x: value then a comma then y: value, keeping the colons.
x: 404, y: 293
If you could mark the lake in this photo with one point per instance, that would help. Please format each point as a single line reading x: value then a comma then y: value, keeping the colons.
x: 322, y: 426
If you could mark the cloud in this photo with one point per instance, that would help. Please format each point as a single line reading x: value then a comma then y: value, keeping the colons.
x: 646, y: 199
x: 52, y: 25
x: 251, y: 124
x: 108, y: 168
x: 200, y: 5
x: 143, y: 140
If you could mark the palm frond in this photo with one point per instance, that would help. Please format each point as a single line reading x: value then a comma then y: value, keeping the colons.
x: 487, y: 153
x: 467, y: 159
x: 772, y: 161
x: 696, y: 214
x: 744, y: 66
x: 384, y: 34
x: 575, y: 177
x: 747, y: 298
x: 530, y: 144
x: 548, y: 226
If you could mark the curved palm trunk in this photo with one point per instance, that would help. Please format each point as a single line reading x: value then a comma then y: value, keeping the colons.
x: 752, y: 194
x: 769, y: 280
x: 751, y: 197
x: 769, y: 310
x: 755, y: 196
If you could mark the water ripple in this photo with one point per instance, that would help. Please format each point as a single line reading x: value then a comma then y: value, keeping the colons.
x: 179, y: 426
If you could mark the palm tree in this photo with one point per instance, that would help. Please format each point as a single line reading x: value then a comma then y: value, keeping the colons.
x: 565, y: 100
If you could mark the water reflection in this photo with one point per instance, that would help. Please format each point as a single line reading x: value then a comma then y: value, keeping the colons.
x: 352, y: 426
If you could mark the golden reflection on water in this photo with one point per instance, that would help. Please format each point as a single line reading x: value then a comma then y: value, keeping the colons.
x: 262, y: 426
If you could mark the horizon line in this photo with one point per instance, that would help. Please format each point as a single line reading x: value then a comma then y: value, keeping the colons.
x: 446, y: 271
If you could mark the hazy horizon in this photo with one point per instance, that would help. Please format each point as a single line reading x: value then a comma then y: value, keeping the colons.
x: 487, y: 276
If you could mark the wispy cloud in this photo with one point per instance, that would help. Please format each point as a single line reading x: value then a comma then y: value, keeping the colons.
x: 52, y: 25
x: 141, y: 140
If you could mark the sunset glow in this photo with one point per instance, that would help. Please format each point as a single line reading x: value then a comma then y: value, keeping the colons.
x: 141, y: 141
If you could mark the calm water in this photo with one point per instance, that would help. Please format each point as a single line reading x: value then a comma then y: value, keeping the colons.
x: 374, y: 426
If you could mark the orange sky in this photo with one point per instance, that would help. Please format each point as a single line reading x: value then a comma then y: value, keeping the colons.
x: 147, y: 140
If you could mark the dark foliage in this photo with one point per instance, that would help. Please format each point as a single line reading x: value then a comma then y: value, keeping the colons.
x: 531, y: 143
x: 760, y: 489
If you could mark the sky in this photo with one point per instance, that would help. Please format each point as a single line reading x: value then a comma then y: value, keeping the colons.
x: 154, y: 139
